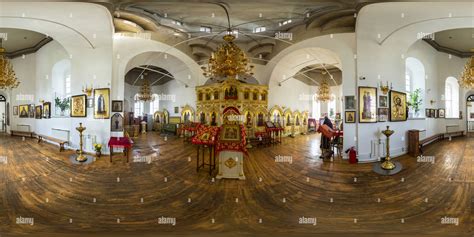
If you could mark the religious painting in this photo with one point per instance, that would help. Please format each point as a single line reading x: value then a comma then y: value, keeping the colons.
x: 338, y: 116
x: 428, y: 113
x: 246, y: 95
x: 176, y: 110
x: 231, y: 93
x: 367, y: 104
x: 202, y: 118
x: 200, y: 96
x: 117, y: 106
x: 47, y: 110
x: 248, y: 119
x: 102, y: 103
x: 255, y: 96
x: 38, y: 112
x: 260, y: 119
x: 230, y: 132
x: 350, y: 116
x: 116, y: 123
x: 436, y: 113
x: 441, y: 113
x: 216, y: 95
x: 24, y: 111
x: 383, y: 114
x: 350, y: 103
x: 213, y: 119
x: 31, y: 111
x: 90, y: 102
x: 15, y: 110
x: 383, y: 101
x: 471, y: 115
x: 398, y: 106
x: 78, y: 106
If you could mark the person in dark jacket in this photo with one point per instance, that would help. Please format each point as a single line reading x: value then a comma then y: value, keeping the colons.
x: 325, y: 141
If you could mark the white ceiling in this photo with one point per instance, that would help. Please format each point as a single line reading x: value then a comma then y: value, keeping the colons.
x: 458, y: 39
x: 18, y: 39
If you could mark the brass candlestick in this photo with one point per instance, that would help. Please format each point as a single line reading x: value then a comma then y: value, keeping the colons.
x: 388, y: 164
x: 81, y: 157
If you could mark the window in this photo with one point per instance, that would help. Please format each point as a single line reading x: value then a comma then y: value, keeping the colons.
x: 259, y: 29
x: 205, y: 29
x: 451, y: 95
x: 316, y: 110
x: 138, y: 107
x: 332, y: 107
x: 68, y: 85
x: 415, y: 79
x: 285, y: 22
x: 155, y: 104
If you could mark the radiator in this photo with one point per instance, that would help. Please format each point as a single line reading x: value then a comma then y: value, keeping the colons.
x: 23, y: 127
x: 470, y: 126
x: 62, y: 134
x: 377, y: 149
x: 452, y: 128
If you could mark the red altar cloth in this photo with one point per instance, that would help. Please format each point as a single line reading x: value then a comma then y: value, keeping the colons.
x: 235, y: 145
x: 205, y: 135
x: 328, y: 132
x: 120, y: 142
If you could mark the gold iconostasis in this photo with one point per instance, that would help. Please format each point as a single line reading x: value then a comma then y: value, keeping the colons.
x: 250, y: 100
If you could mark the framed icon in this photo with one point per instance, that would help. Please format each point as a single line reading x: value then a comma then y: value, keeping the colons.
x: 24, y: 111
x: 398, y: 106
x: 47, y: 110
x: 117, y: 106
x: 38, y: 112
x: 15, y: 110
x: 78, y: 106
x: 441, y: 113
x: 116, y: 123
x: 367, y: 104
x: 102, y: 103
x: 349, y: 102
x: 383, y: 114
x: 350, y: 116
x: 31, y: 111
x: 383, y: 101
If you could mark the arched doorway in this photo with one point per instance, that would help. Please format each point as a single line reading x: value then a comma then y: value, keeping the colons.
x: 470, y: 113
x: 3, y: 114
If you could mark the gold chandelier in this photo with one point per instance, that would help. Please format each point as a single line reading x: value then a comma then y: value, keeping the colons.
x: 145, y: 92
x: 323, y: 92
x: 228, y: 61
x: 467, y: 76
x: 8, y: 78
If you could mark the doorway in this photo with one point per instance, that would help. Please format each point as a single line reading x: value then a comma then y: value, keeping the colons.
x: 3, y: 114
x: 470, y: 114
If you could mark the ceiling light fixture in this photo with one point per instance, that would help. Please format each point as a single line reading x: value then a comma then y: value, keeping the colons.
x: 467, y: 77
x: 8, y: 78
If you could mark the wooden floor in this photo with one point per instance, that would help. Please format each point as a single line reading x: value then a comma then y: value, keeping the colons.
x: 347, y: 200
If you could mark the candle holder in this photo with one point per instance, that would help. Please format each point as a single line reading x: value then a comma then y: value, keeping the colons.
x: 385, y: 88
x: 81, y: 157
x: 87, y: 91
x: 388, y: 164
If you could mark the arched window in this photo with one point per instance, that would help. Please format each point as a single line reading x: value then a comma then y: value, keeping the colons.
x: 316, y: 110
x: 332, y: 106
x: 451, y: 95
x: 138, y: 107
x: 415, y: 79
x: 155, y: 104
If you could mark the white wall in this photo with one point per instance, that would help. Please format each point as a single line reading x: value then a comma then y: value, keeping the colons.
x: 85, y: 33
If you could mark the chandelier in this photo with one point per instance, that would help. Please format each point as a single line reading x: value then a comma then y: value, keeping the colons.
x: 8, y: 78
x: 228, y: 61
x: 467, y: 76
x: 323, y: 92
x: 145, y: 92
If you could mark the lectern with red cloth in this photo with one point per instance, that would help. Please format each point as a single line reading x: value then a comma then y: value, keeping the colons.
x: 206, y: 137
x: 120, y: 142
x: 231, y: 149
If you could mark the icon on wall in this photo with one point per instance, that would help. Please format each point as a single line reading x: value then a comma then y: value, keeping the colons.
x: 398, y: 106
x: 117, y: 106
x: 47, y: 110
x: 38, y: 112
x: 102, y: 103
x: 24, y: 111
x: 367, y: 104
x: 78, y: 106
x: 116, y: 123
x: 15, y: 110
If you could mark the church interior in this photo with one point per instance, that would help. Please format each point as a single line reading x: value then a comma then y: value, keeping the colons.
x: 237, y: 118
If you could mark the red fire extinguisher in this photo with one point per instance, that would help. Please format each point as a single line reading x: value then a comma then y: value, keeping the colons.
x: 352, y: 155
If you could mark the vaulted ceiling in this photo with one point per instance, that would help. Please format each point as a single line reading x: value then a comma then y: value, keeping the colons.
x: 18, y: 42
x: 155, y: 75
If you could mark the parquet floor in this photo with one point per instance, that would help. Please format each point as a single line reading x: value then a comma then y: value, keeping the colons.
x: 126, y: 199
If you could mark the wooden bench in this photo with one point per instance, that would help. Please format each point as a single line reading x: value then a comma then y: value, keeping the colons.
x: 453, y: 134
x: 21, y: 133
x: 52, y: 139
x: 429, y: 140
